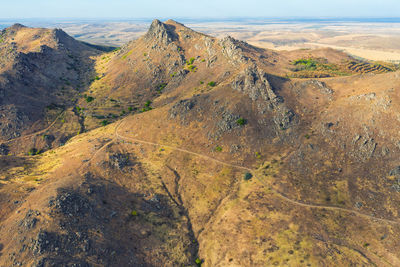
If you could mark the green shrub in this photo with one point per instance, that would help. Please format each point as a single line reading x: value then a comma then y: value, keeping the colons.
x: 201, y: 82
x: 161, y: 87
x: 144, y: 54
x: 241, y: 121
x: 89, y: 99
x: 203, y: 60
x: 198, y: 262
x: 247, y: 176
x: 218, y: 148
x: 32, y: 151
x: 190, y: 61
x: 192, y: 68
x: 134, y: 213
x: 104, y: 122
x: 212, y: 84
x: 307, y: 136
x: 130, y: 108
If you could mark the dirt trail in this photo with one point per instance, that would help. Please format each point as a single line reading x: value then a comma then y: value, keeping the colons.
x: 35, y: 133
x: 278, y: 194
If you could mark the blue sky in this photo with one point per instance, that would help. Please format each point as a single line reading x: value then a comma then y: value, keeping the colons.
x: 197, y: 8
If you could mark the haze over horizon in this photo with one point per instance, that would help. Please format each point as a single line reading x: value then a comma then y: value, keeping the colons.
x: 75, y: 9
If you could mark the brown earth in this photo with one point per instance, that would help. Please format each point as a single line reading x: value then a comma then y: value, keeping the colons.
x: 190, y: 149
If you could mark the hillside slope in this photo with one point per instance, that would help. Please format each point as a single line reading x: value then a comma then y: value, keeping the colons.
x: 196, y: 151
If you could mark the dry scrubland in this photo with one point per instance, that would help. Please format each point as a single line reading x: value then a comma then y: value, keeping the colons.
x: 181, y: 149
x: 368, y: 40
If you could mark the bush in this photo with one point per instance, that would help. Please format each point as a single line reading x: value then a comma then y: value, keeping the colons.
x: 190, y: 61
x: 130, y: 108
x: 89, y: 99
x: 198, y: 262
x: 161, y: 87
x: 247, y: 176
x: 212, y: 84
x: 218, y: 149
x: 241, y: 121
x: 134, y: 213
x: 33, y: 151
x: 104, y: 122
x: 192, y: 68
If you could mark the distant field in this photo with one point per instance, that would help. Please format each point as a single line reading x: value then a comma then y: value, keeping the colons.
x: 369, y: 39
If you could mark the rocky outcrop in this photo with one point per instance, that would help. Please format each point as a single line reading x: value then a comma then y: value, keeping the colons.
x: 160, y: 33
x: 254, y: 83
x: 232, y: 50
x: 12, y: 122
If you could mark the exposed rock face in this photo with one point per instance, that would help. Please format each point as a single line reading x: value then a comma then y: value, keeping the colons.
x: 119, y: 161
x: 4, y: 150
x: 11, y: 122
x: 254, y: 83
x: 231, y: 48
x: 162, y: 33
x: 321, y: 86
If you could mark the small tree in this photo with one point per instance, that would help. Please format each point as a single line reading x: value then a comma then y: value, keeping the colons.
x: 247, y: 176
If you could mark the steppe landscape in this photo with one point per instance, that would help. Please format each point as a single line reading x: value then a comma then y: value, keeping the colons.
x: 164, y: 144
x: 364, y: 38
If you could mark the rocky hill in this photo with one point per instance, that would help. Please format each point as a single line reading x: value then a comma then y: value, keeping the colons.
x: 180, y: 149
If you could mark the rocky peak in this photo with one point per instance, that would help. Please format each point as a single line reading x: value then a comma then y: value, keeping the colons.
x: 232, y: 49
x: 161, y: 32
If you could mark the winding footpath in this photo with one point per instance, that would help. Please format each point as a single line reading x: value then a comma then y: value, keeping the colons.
x: 35, y: 133
x: 276, y: 193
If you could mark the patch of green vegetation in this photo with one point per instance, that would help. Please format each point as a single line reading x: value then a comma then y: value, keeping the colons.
x: 258, y: 155
x: 104, y: 122
x: 173, y: 74
x: 212, y: 84
x: 147, y: 106
x: 241, y: 121
x: 130, y: 108
x: 308, y: 64
x: 247, y: 176
x: 315, y: 68
x: 203, y: 60
x: 161, y: 87
x: 134, y: 213
x: 218, y: 148
x: 201, y: 82
x: 33, y: 151
x: 190, y: 61
x: 127, y: 54
x: 198, y: 262
x: 89, y: 99
x: 145, y: 54
x: 192, y: 68
x: 307, y: 136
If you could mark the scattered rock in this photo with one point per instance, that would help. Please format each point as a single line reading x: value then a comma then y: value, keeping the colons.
x: 4, y: 150
x: 119, y: 161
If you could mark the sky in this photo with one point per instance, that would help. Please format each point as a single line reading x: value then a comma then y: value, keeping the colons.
x: 135, y: 9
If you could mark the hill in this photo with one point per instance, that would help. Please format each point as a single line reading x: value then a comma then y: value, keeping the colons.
x: 189, y: 150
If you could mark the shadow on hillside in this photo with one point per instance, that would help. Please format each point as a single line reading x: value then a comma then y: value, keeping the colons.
x: 115, y: 225
x: 1, y: 249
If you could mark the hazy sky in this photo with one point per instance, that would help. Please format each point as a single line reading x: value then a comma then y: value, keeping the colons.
x: 197, y: 8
